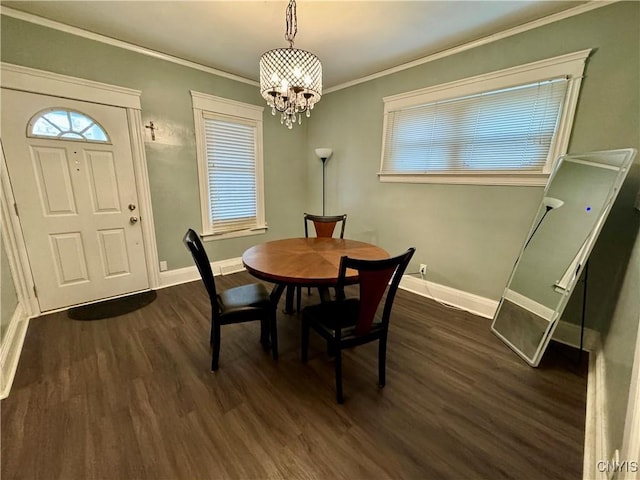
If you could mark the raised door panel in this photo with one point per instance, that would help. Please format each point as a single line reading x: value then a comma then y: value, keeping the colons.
x: 69, y: 259
x: 103, y: 181
x: 53, y: 180
x: 113, y: 252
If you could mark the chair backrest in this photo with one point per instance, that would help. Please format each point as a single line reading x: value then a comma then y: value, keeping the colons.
x: 324, y: 224
x: 194, y: 244
x: 375, y: 277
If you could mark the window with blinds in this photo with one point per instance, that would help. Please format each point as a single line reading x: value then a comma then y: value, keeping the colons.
x: 512, y: 123
x: 508, y: 129
x: 229, y: 150
x: 231, y: 168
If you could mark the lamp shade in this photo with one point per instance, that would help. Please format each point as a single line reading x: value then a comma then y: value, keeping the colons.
x: 552, y: 202
x: 324, y: 153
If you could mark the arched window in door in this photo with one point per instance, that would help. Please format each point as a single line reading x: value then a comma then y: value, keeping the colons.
x: 63, y: 124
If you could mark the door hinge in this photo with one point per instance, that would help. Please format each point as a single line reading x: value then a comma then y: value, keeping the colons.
x: 15, y: 207
x: 35, y: 292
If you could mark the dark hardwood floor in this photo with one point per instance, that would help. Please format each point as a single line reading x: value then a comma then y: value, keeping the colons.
x: 132, y: 397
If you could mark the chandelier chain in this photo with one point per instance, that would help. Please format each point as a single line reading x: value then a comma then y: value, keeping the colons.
x: 292, y: 23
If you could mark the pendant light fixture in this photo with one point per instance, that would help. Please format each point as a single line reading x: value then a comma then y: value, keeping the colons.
x: 290, y: 79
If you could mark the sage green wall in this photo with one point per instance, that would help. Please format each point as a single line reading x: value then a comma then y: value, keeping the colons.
x: 166, y: 101
x: 469, y: 236
x: 8, y: 295
x: 619, y: 343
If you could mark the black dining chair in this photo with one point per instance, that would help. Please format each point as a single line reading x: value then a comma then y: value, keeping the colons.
x: 324, y: 226
x: 235, y: 305
x: 348, y: 322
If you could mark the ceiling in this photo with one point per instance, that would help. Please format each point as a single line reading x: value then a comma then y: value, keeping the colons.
x: 353, y: 39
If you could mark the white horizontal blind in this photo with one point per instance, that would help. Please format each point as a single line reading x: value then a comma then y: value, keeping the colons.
x: 231, y: 167
x: 510, y: 129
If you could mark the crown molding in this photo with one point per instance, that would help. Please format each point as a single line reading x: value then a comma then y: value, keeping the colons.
x: 556, y: 17
x: 583, y: 8
x: 28, y: 17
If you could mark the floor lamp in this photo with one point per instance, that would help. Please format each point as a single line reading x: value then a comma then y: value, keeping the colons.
x: 549, y: 204
x: 323, y: 154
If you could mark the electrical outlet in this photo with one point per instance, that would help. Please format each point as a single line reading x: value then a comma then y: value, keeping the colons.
x: 423, y: 269
x: 163, y: 266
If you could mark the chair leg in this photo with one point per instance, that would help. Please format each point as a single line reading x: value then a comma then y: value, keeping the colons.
x: 304, y: 353
x: 265, y: 325
x: 274, y: 333
x: 325, y: 295
x: 215, y: 346
x: 339, y: 397
x: 299, y: 300
x: 288, y: 302
x: 331, y: 350
x: 382, y: 361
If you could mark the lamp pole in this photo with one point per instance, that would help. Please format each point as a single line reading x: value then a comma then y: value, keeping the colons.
x: 548, y: 209
x: 549, y: 204
x: 323, y: 154
x: 324, y: 159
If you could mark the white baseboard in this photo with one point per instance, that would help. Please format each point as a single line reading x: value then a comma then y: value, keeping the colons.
x: 484, y: 307
x: 178, y: 276
x: 11, y: 349
x: 190, y: 274
x: 569, y: 334
x: 226, y: 267
x: 596, y: 440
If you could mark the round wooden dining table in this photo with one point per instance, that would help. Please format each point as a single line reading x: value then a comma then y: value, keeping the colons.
x: 306, y: 262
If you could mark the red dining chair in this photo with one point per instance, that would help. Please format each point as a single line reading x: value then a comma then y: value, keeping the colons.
x: 235, y: 305
x: 349, y: 322
x: 324, y: 226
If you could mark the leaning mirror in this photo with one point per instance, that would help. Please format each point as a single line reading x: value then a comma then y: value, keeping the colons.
x: 577, y: 200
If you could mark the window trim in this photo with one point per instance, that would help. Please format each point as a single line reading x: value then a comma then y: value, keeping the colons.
x: 208, y: 106
x: 570, y: 65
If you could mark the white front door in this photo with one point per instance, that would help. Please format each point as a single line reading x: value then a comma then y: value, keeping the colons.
x: 76, y: 200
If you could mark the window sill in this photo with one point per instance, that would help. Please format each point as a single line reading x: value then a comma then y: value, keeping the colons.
x: 207, y: 237
x: 522, y: 179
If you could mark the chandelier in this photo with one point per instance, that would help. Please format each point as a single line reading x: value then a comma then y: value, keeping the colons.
x: 290, y: 79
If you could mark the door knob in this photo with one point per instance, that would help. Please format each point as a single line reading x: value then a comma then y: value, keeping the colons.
x: 133, y: 220
x: 132, y: 207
